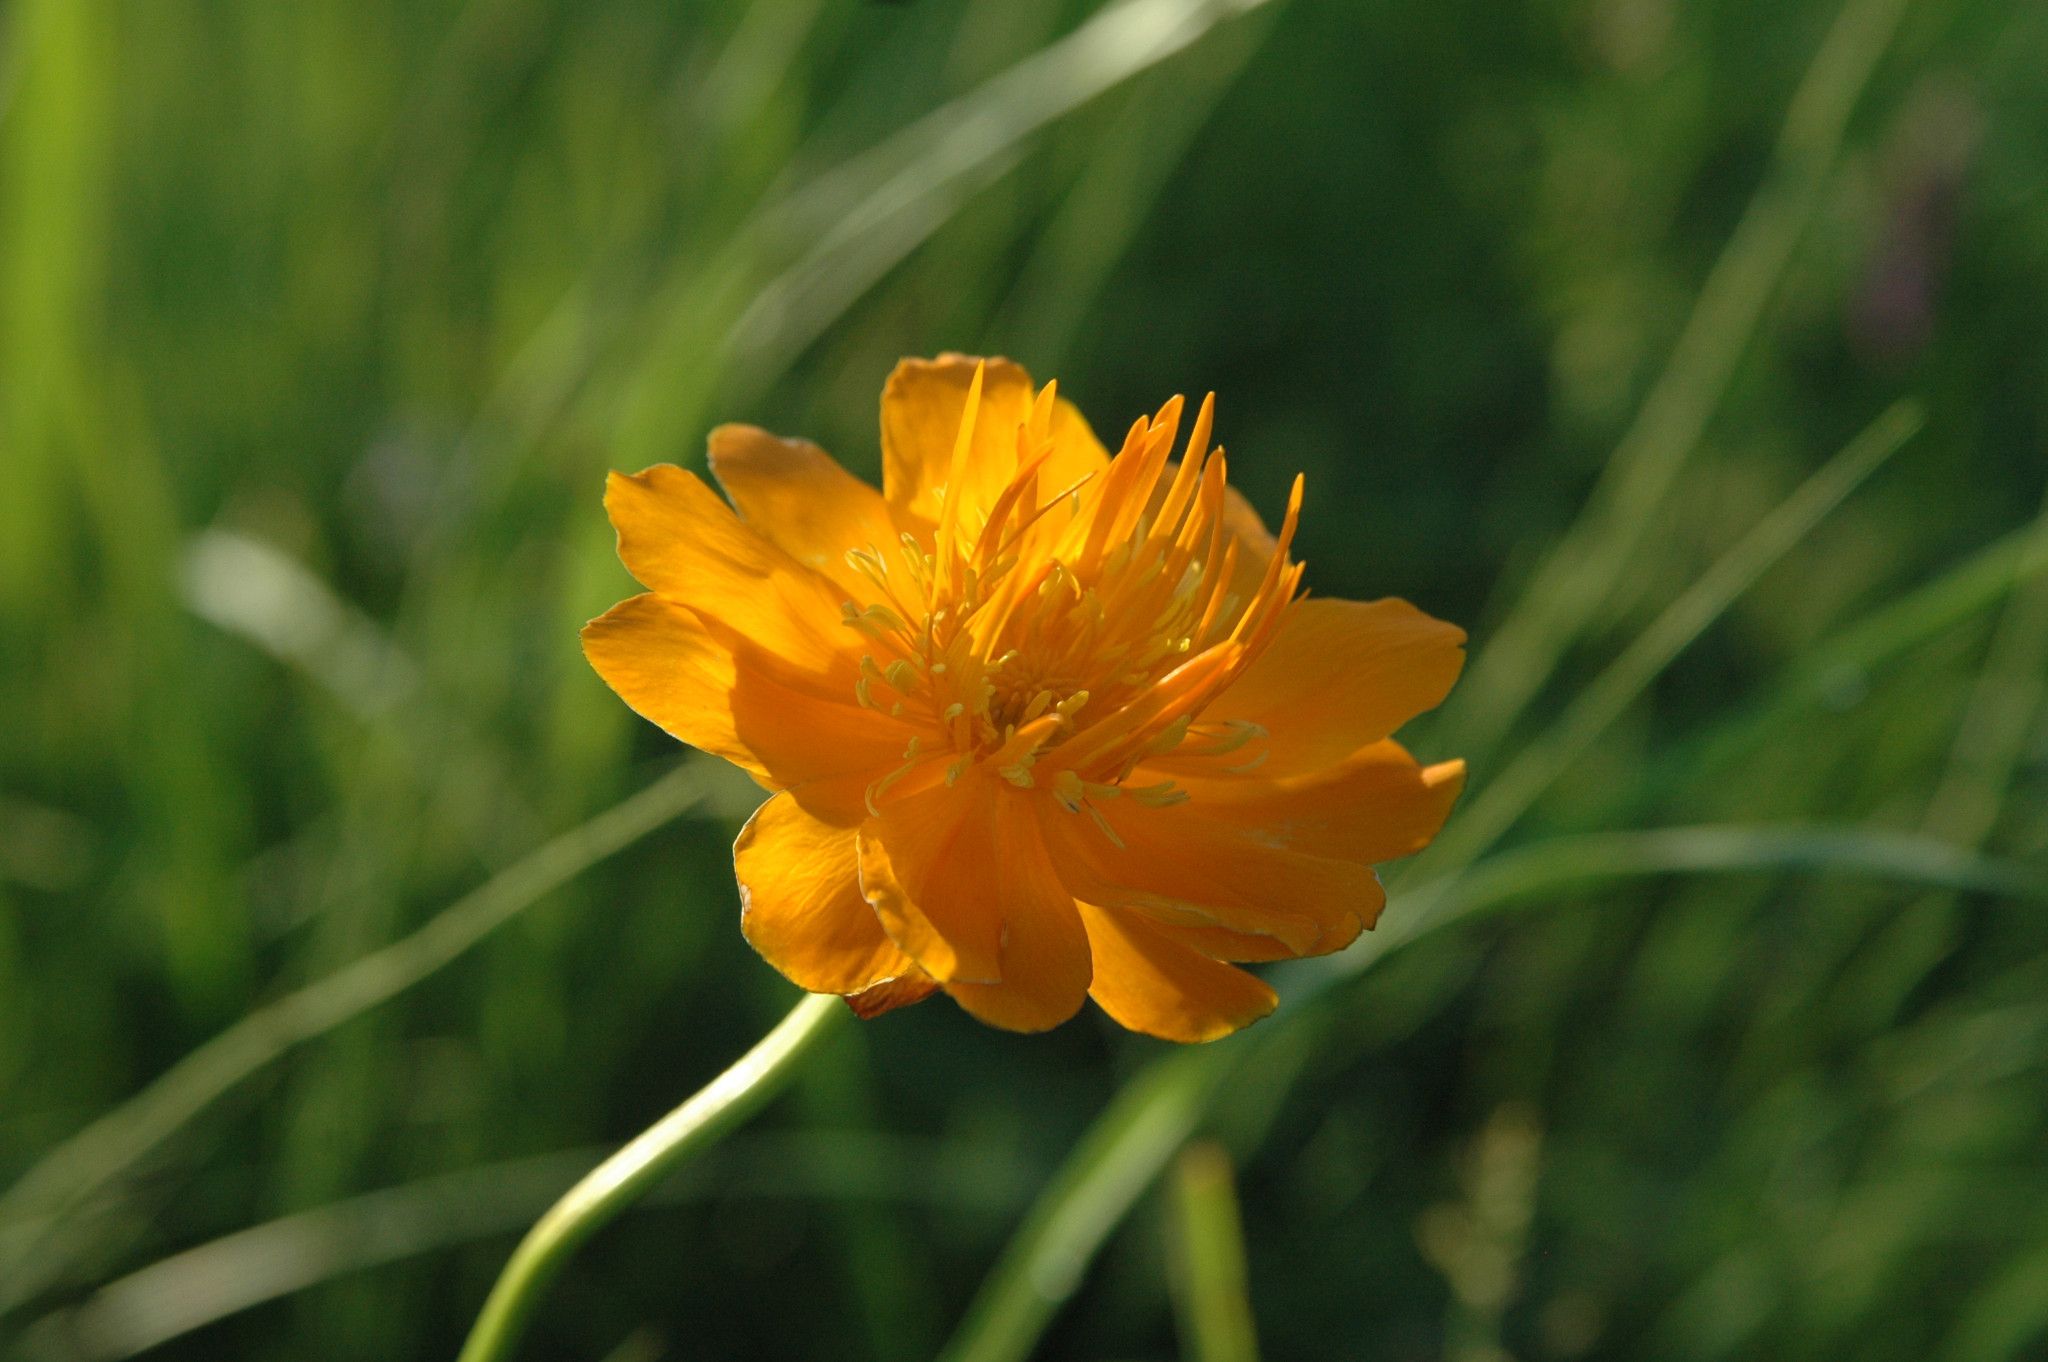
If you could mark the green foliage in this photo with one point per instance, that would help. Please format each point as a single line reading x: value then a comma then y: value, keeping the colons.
x: 319, y: 325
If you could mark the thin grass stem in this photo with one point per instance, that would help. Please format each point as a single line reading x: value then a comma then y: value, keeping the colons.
x: 1210, y: 1277
x: 1506, y: 798
x: 1580, y: 574
x: 83, y: 1166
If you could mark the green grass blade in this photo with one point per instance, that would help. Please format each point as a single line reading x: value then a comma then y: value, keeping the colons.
x: 918, y: 176
x: 1159, y: 1109
x: 68, y: 1177
x: 1115, y: 195
x: 734, y: 324
x: 1997, y: 718
x: 223, y: 1277
x: 1567, y: 590
x: 1844, y: 662
x: 1547, y: 870
x: 1508, y: 797
x: 1210, y: 1286
x: 1094, y: 1190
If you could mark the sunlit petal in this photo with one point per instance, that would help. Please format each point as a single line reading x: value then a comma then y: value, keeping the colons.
x: 1339, y: 675
x: 801, y: 905
x: 1151, y: 982
x: 683, y: 542
x: 797, y: 497
x: 1026, y: 677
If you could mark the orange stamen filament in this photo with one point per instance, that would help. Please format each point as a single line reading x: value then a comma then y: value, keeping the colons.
x: 1065, y: 650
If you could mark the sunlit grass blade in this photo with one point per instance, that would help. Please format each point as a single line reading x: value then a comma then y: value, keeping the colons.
x: 71, y: 1175
x: 1504, y: 799
x: 1209, y: 1278
x: 860, y: 231
x: 734, y: 323
x: 1128, y: 1147
x: 1547, y: 869
x: 256, y: 591
x: 1582, y: 570
x: 190, y: 1290
x: 53, y: 219
x: 1113, y: 198
x: 731, y: 319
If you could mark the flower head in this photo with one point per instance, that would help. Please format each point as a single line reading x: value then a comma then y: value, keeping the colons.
x: 1042, y: 724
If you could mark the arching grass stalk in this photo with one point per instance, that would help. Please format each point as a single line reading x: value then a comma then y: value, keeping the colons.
x: 629, y: 1174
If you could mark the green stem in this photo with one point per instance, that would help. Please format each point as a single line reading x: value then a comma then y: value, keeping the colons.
x: 1210, y: 1279
x: 627, y: 1175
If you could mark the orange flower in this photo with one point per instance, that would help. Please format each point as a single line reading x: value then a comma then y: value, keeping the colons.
x: 1042, y: 724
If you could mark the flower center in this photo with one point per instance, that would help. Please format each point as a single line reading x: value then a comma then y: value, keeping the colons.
x: 1073, y: 632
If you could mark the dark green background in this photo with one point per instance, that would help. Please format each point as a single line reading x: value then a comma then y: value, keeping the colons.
x: 384, y: 287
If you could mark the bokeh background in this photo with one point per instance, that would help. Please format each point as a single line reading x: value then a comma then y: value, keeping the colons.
x: 320, y: 324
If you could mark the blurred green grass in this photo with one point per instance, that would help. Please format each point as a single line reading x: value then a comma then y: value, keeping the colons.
x: 319, y: 325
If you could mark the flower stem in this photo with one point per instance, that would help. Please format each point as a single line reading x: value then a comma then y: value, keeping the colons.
x: 621, y: 1179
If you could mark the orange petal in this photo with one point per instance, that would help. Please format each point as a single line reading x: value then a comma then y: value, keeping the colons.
x: 913, y: 986
x: 1185, y: 868
x: 1340, y: 675
x: 683, y: 542
x: 961, y: 879
x: 1076, y: 452
x: 1378, y: 804
x: 707, y: 687
x: 801, y: 905
x: 1046, y: 963
x: 921, y: 409
x: 1150, y: 982
x: 799, y: 498
x: 818, y: 741
x: 1255, y: 543
x: 1220, y: 943
x: 921, y: 868
x: 664, y: 663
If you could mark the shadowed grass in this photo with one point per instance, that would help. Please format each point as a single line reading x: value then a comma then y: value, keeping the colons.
x: 213, y: 1281
x: 66, y: 1180
x: 1502, y: 800
x: 1125, y: 1151
x: 1588, y: 564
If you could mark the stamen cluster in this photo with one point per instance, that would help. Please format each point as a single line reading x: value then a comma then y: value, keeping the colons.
x: 1068, y: 634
